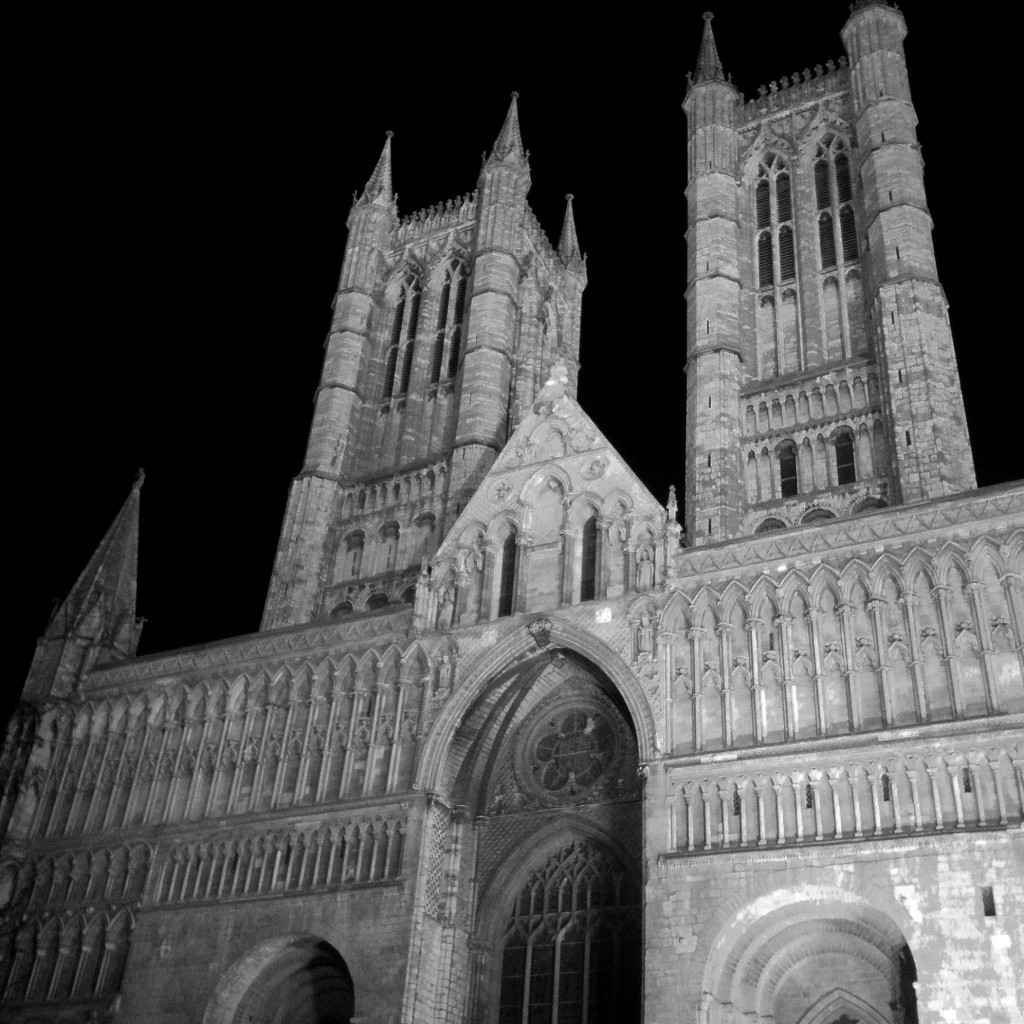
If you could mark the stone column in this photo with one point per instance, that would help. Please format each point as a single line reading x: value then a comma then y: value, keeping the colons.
x: 976, y: 592
x: 789, y: 708
x: 813, y: 617
x: 757, y: 708
x: 696, y: 637
x: 724, y: 633
x: 876, y: 605
x: 846, y: 629
x: 909, y: 602
x: 941, y: 596
x: 604, y: 553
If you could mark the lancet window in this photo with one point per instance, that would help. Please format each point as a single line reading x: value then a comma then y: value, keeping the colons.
x: 773, y: 207
x: 507, y: 577
x: 450, y: 314
x: 833, y: 190
x: 846, y: 467
x: 404, y: 321
x: 354, y: 545
x: 775, y: 242
x: 787, y: 469
x: 588, y: 574
x: 844, y: 326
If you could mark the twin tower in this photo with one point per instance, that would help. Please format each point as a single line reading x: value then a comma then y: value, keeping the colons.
x: 821, y: 375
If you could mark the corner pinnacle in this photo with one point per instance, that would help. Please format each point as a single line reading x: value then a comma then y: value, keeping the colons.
x: 508, y: 147
x: 709, y: 64
x: 378, y: 188
x: 568, y: 244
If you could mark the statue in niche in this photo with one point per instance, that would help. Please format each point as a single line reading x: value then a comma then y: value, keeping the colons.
x: 644, y: 568
x: 445, y: 606
x: 645, y: 639
x: 444, y: 678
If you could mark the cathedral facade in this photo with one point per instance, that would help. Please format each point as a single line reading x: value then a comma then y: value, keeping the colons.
x: 513, y: 744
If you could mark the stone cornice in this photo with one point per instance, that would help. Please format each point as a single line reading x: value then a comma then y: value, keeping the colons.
x: 961, y: 515
x: 317, y: 638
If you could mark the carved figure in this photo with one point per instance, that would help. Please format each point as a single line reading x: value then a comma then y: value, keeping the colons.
x: 446, y: 607
x: 644, y: 568
x: 645, y: 637
x: 444, y: 677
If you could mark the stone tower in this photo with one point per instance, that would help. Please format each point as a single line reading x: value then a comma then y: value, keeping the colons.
x: 713, y: 290
x: 446, y: 324
x: 821, y: 376
x: 923, y: 408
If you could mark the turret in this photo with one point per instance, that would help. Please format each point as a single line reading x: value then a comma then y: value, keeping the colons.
x: 574, y: 281
x: 295, y: 582
x: 493, y: 310
x: 713, y: 344
x: 95, y: 624
x: 921, y: 384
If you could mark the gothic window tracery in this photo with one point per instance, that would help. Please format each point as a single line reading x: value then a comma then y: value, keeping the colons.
x: 571, y: 943
x: 450, y: 315
x: 775, y: 242
x: 845, y: 335
x: 404, y: 322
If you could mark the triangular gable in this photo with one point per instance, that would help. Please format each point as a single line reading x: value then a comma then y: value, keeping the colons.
x: 556, y: 441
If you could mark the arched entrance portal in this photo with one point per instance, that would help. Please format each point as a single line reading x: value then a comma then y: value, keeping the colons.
x: 290, y: 980
x: 812, y: 961
x: 544, y: 765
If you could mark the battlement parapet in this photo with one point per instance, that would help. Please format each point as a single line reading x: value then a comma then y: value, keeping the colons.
x: 793, y: 90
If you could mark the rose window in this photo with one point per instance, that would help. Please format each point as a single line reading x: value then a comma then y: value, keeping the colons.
x: 574, y: 749
x: 574, y: 752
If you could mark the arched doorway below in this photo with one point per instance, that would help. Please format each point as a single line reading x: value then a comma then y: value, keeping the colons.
x: 291, y: 980
x: 807, y: 962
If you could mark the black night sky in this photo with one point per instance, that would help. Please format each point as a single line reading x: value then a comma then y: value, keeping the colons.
x: 184, y: 203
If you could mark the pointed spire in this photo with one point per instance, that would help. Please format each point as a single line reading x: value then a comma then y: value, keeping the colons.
x: 709, y: 64
x: 568, y: 244
x: 378, y: 188
x: 101, y: 605
x: 508, y: 147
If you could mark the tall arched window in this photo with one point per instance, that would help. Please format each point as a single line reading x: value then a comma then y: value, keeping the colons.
x: 833, y: 186
x: 404, y: 322
x: 354, y: 544
x: 449, y: 321
x: 571, y: 945
x: 765, y: 270
x: 776, y: 256
x: 787, y: 469
x: 787, y: 255
x: 588, y: 573
x: 387, y: 541
x: 846, y: 467
x: 507, y: 577
x: 822, y: 192
x: 455, y: 348
x: 827, y: 241
x: 763, y: 204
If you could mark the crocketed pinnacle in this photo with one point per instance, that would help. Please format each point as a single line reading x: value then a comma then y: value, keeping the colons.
x: 101, y: 605
x: 508, y: 147
x: 568, y: 244
x: 378, y: 188
x: 709, y: 64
